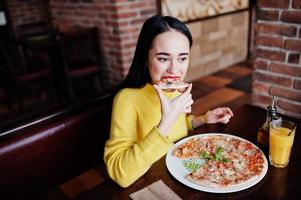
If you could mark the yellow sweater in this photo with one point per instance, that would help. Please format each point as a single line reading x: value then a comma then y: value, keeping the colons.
x: 135, y: 143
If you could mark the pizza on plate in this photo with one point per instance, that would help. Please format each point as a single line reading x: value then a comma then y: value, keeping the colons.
x: 227, y: 161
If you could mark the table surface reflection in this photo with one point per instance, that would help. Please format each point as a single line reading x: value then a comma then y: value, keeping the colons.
x: 277, y: 184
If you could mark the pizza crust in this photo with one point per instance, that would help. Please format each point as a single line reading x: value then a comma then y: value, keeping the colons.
x: 204, y: 182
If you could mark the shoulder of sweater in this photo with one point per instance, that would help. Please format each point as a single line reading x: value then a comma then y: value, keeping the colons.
x: 128, y: 93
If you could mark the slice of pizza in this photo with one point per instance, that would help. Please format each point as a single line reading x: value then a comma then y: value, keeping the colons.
x: 173, y: 84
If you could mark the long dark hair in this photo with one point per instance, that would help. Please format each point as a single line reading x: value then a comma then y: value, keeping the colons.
x: 138, y: 74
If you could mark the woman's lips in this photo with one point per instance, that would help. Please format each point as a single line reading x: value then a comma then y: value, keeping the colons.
x: 172, y: 77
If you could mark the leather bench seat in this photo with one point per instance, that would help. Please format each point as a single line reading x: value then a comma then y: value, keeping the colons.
x: 37, y: 160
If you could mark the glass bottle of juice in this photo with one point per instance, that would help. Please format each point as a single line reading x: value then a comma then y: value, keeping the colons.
x: 263, y: 131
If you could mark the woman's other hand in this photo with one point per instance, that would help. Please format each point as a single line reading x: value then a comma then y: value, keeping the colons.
x: 218, y: 115
x: 172, y: 108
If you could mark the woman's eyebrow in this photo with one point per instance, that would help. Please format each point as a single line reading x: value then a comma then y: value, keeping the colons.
x: 163, y: 53
x: 167, y: 54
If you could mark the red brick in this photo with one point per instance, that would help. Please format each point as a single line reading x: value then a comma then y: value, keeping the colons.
x: 273, y: 3
x: 297, y: 84
x: 128, y: 45
x: 277, y: 29
x: 123, y: 7
x: 294, y: 45
x: 270, y: 41
x: 261, y: 99
x: 139, y: 21
x: 296, y: 4
x: 267, y: 15
x: 124, y: 15
x: 150, y: 11
x: 116, y: 23
x: 126, y: 30
x: 115, y: 38
x: 291, y: 16
x: 294, y: 58
x: 128, y: 52
x: 260, y: 87
x: 87, y: 9
x: 120, y: 1
x: 270, y: 54
x: 285, y: 69
x: 260, y: 64
x: 289, y: 106
x: 294, y: 95
x: 141, y: 4
x: 115, y: 53
x: 269, y: 78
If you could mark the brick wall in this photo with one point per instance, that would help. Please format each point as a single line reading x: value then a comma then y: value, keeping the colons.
x: 30, y: 11
x: 277, y: 55
x: 119, y: 24
x: 218, y: 43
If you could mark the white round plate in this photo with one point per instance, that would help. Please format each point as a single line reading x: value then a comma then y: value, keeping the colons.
x: 176, y: 168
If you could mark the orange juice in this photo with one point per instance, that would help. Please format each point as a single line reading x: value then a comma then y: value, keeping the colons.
x: 281, y: 142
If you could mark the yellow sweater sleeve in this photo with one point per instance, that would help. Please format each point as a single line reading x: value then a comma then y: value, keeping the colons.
x: 127, y: 157
x: 189, y: 119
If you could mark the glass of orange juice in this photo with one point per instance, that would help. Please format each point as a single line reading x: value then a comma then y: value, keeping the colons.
x: 282, y: 133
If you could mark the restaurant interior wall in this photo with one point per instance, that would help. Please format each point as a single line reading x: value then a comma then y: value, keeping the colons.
x: 219, y: 42
x: 277, y: 55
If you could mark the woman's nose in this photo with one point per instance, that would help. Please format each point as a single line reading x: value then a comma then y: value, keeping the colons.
x: 172, y: 68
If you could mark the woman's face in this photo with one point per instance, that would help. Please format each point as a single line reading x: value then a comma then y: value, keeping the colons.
x: 168, y: 56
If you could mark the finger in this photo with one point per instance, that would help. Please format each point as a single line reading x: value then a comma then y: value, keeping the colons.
x: 188, y: 90
x: 218, y: 111
x: 189, y: 102
x: 226, y: 110
x: 187, y: 109
x: 229, y: 111
x: 159, y: 92
x: 186, y: 98
x: 187, y: 106
x: 224, y: 119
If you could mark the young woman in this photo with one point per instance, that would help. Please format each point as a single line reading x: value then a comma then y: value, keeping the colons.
x: 146, y: 120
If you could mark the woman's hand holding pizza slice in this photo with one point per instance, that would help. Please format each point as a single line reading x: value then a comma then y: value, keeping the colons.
x: 172, y: 108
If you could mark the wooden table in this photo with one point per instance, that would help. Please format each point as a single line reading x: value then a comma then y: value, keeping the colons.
x: 277, y: 184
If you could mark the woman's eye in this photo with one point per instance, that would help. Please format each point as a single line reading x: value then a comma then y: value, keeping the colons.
x: 182, y: 59
x: 163, y: 59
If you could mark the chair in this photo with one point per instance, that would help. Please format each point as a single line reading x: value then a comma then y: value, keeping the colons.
x: 33, y: 29
x: 36, y: 31
x: 8, y: 90
x: 81, y: 54
x: 38, y: 73
x: 5, y: 100
x: 33, y: 74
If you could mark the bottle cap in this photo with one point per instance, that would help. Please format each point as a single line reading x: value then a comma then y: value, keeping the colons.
x: 273, y: 106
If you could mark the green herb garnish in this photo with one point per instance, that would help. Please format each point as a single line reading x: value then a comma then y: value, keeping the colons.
x: 217, y: 156
x: 206, y: 155
x: 191, y: 165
